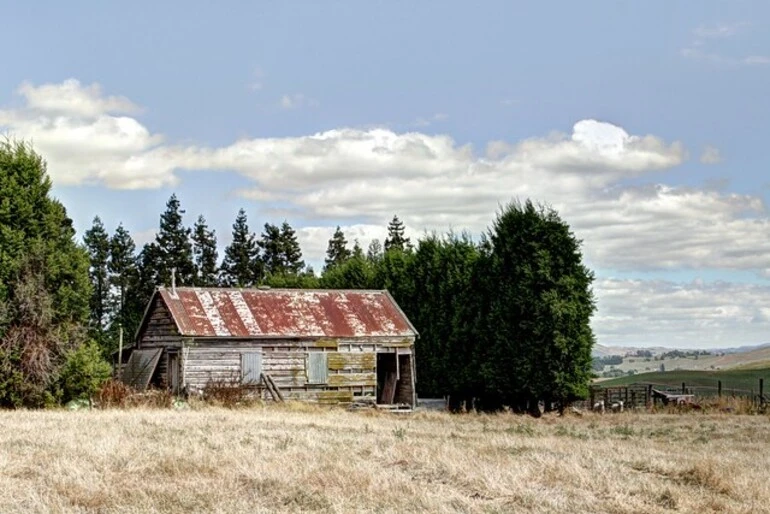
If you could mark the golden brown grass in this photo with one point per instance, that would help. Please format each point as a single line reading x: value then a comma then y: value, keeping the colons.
x: 299, y: 459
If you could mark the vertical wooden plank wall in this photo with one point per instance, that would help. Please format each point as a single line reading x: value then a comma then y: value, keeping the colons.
x: 349, y: 368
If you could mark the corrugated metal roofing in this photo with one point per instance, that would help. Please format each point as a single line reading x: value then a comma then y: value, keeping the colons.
x: 219, y: 312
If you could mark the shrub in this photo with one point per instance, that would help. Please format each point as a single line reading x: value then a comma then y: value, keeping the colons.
x: 83, y: 373
x: 116, y: 394
x: 113, y: 393
x: 33, y: 347
x: 16, y: 387
x: 227, y: 393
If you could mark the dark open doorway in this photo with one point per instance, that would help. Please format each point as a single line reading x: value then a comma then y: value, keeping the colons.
x: 387, y: 378
x: 395, y: 383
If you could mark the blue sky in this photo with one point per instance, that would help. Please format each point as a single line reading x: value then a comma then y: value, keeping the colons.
x: 642, y: 123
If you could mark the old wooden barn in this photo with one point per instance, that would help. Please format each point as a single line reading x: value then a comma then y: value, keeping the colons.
x: 327, y: 346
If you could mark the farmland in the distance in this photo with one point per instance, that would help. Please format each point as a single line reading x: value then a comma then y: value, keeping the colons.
x: 741, y: 380
x: 301, y: 459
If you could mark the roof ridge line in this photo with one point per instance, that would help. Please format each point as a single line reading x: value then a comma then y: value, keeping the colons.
x: 292, y: 289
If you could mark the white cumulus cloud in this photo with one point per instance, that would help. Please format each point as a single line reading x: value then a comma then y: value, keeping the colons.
x: 363, y: 177
x: 70, y: 97
x: 694, y: 314
x: 360, y: 178
x: 86, y: 138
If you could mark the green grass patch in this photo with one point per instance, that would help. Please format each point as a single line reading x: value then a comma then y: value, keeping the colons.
x: 704, y: 382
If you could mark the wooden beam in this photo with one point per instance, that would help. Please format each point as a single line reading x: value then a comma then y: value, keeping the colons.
x: 272, y: 388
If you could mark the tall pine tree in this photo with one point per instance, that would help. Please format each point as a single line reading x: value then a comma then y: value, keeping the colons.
x: 142, y: 285
x: 97, y: 243
x: 337, y: 251
x: 174, y: 246
x: 270, y: 245
x: 242, y: 266
x: 205, y: 254
x: 123, y: 273
x: 357, y: 252
x: 396, y: 239
x: 291, y: 252
x: 281, y: 253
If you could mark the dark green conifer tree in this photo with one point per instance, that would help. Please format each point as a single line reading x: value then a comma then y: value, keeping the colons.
x: 291, y: 252
x: 205, y: 254
x: 97, y: 243
x: 281, y: 253
x: 539, y: 310
x: 123, y: 271
x: 174, y: 246
x: 242, y: 266
x: 271, y: 248
x: 357, y: 252
x: 396, y: 239
x: 337, y: 251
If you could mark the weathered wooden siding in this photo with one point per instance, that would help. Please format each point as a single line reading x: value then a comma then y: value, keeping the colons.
x: 350, y: 361
x: 350, y: 366
x: 204, y: 365
x: 159, y: 328
x: 159, y: 331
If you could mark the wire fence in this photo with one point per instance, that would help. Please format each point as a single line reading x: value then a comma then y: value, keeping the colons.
x: 648, y: 393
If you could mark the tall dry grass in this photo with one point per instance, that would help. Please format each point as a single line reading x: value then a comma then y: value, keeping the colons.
x: 302, y: 459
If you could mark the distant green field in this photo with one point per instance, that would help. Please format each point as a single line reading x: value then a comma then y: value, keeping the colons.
x: 744, y: 380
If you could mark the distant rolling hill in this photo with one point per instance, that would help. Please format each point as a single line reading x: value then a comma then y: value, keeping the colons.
x: 757, y: 357
x: 742, y: 349
x: 600, y: 350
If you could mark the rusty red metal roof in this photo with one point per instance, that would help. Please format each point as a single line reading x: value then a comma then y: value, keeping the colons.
x: 223, y: 312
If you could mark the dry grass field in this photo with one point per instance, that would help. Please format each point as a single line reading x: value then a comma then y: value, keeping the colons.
x: 302, y: 459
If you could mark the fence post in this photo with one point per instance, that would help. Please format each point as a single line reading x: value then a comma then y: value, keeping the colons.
x: 684, y: 388
x: 650, y: 399
x: 762, y: 390
x: 719, y: 388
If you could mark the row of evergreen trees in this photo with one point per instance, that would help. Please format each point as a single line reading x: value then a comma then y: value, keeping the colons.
x: 502, y: 321
x: 123, y: 280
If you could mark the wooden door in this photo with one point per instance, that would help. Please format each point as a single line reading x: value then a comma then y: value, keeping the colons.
x: 173, y: 372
